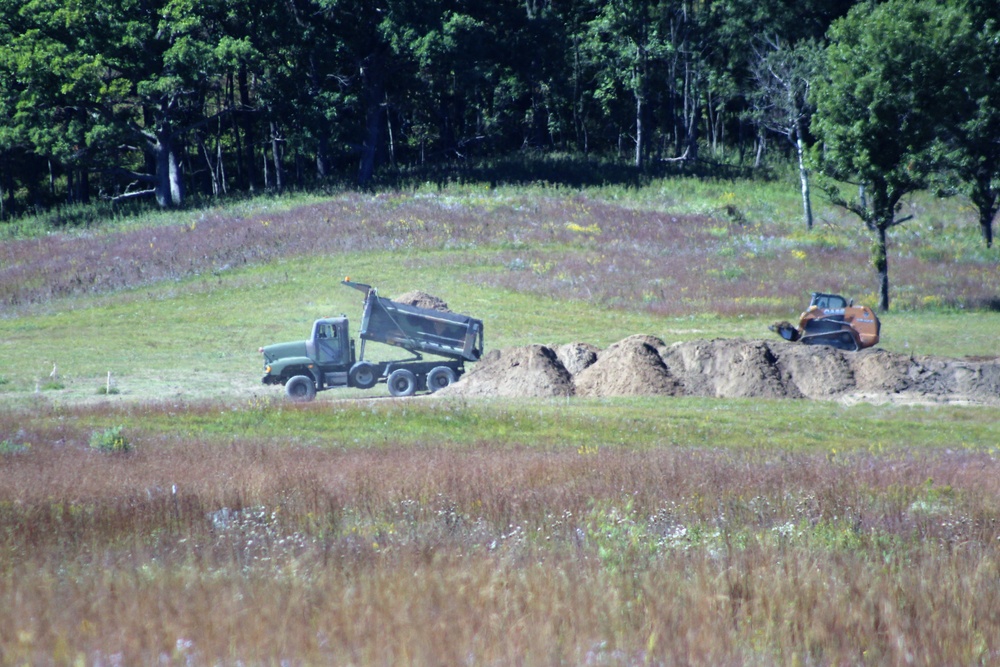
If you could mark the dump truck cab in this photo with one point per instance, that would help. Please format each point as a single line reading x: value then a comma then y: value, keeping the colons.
x: 330, y: 342
x: 326, y: 356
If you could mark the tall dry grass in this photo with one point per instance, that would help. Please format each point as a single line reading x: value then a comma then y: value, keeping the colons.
x: 264, y: 553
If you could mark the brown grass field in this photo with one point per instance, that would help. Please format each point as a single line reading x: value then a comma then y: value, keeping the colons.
x: 256, y: 552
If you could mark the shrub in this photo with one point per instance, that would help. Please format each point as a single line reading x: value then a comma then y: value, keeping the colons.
x: 110, y: 440
x: 10, y: 447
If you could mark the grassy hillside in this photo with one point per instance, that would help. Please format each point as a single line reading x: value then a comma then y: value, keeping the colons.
x: 180, y: 304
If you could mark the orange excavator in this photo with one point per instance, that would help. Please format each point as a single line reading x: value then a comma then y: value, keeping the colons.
x: 833, y: 320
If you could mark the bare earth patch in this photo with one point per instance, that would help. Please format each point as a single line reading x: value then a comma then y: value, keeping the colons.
x: 731, y: 368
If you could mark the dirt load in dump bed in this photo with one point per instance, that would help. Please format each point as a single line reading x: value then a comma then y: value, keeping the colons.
x: 731, y: 368
x: 422, y: 300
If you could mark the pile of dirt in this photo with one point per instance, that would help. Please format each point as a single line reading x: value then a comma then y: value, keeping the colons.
x: 631, y: 367
x: 577, y: 356
x: 815, y: 372
x: 517, y: 372
x: 422, y: 300
x: 730, y: 368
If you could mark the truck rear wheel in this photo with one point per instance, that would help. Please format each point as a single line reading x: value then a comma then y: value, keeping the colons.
x: 300, y: 389
x: 362, y: 375
x: 402, y: 382
x: 439, y: 378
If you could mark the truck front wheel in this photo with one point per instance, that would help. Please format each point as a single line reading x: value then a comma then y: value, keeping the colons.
x: 363, y: 375
x: 300, y: 389
x: 402, y: 382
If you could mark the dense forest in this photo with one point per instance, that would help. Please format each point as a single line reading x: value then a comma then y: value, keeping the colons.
x: 162, y: 98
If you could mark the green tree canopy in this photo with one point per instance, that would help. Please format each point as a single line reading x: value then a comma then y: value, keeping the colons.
x: 888, y: 82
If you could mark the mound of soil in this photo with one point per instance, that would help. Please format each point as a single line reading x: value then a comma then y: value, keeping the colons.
x: 575, y: 357
x: 815, y: 371
x: 631, y: 367
x: 881, y: 371
x: 731, y: 368
x: 517, y: 372
x: 422, y: 300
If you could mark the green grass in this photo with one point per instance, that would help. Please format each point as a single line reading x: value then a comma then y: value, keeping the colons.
x: 619, y: 423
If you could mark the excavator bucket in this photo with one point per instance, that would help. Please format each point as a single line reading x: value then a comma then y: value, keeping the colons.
x: 786, y: 330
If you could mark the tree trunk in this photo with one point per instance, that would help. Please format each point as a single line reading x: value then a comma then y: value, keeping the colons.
x: 323, y: 157
x: 276, y: 141
x: 162, y: 186
x: 639, y: 134
x: 374, y: 93
x: 392, y: 139
x: 880, y: 259
x: 761, y: 147
x: 323, y: 166
x: 692, y: 108
x: 985, y: 200
x: 220, y: 160
x: 83, y: 187
x: 267, y: 179
x: 247, y: 122
x: 803, y: 177
x: 212, y: 174
x: 7, y: 193
x: 169, y: 187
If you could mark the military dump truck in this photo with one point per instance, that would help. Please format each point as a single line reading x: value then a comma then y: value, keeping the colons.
x: 328, y: 360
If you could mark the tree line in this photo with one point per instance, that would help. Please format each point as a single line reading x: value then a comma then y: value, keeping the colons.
x: 158, y: 98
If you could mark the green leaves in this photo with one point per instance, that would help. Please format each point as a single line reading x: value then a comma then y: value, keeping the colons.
x: 889, y: 88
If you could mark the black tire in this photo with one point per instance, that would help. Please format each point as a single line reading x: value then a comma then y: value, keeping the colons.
x: 402, y: 382
x: 439, y: 378
x: 362, y: 375
x: 300, y: 389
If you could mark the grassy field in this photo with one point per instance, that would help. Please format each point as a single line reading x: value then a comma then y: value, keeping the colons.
x: 195, y: 517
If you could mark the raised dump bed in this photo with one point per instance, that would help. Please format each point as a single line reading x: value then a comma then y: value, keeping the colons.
x: 416, y: 329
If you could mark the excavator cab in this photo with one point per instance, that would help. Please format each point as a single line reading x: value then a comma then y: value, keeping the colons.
x: 821, y: 300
